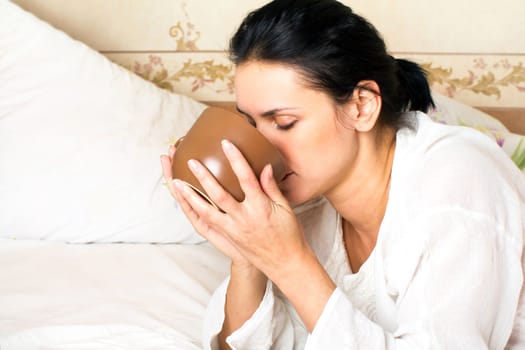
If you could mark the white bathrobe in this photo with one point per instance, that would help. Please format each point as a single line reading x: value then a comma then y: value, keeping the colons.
x: 447, y: 269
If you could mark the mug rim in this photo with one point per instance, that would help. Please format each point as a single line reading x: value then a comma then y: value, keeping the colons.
x: 204, y: 195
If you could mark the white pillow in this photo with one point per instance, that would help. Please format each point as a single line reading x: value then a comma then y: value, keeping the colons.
x: 80, y: 139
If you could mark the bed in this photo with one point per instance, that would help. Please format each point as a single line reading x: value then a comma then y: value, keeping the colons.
x: 105, y: 296
x: 94, y: 253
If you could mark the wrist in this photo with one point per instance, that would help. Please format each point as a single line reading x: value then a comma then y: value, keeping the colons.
x: 307, y: 285
x: 297, y: 264
x: 247, y: 272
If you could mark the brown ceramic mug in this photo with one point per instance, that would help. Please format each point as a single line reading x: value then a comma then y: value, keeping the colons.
x: 203, y: 143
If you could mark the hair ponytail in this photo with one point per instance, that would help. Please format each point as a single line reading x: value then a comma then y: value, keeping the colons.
x: 414, y: 91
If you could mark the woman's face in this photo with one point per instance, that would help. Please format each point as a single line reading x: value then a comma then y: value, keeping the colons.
x: 303, y: 123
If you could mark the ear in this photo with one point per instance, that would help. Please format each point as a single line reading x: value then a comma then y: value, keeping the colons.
x: 365, y: 105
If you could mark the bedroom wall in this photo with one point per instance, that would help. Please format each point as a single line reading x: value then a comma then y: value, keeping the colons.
x: 474, y: 52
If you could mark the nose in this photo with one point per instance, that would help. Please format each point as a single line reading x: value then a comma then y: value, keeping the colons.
x: 267, y: 131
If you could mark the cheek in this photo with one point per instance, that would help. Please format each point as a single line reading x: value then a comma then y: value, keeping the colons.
x: 312, y: 147
x: 324, y: 162
x: 296, y: 151
x: 318, y: 147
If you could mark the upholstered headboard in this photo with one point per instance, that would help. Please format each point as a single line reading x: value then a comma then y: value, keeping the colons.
x: 472, y: 53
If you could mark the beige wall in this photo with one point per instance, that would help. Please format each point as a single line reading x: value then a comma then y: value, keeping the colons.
x: 474, y: 51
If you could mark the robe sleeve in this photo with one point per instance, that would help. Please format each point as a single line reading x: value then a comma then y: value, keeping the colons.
x: 273, y: 325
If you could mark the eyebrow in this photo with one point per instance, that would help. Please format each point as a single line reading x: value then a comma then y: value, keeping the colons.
x: 269, y: 113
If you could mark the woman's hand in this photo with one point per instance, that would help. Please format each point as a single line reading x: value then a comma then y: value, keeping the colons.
x: 218, y: 240
x: 262, y: 228
x: 261, y: 234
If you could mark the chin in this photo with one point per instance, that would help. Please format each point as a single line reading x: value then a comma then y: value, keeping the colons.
x: 295, y: 198
x: 294, y: 193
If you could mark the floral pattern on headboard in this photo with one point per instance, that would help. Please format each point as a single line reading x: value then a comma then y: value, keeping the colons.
x: 206, y: 74
x: 219, y: 77
x: 482, y: 78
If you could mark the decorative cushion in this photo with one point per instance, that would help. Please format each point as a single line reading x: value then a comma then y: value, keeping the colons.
x: 449, y: 111
x: 80, y: 139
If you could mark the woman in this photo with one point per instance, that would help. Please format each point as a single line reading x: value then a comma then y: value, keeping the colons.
x: 417, y: 240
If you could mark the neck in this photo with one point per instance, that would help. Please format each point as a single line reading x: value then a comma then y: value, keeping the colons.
x: 362, y: 196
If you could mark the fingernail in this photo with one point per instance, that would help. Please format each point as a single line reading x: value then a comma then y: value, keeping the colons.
x: 178, y: 184
x: 192, y: 163
x: 270, y: 170
x: 227, y: 145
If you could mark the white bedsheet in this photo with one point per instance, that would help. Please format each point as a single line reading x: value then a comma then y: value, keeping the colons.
x: 105, y: 296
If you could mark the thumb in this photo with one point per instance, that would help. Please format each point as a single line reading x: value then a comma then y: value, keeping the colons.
x: 270, y: 187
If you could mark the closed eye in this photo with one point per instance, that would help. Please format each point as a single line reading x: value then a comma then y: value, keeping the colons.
x: 284, y: 121
x: 285, y: 126
x: 279, y: 122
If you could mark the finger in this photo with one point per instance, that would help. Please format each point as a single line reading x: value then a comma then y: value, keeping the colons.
x: 201, y: 207
x: 271, y: 188
x: 215, y: 191
x: 198, y: 224
x: 210, y: 232
x: 165, y: 162
x: 183, y: 203
x: 171, y: 151
x: 193, y: 206
x: 247, y: 179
